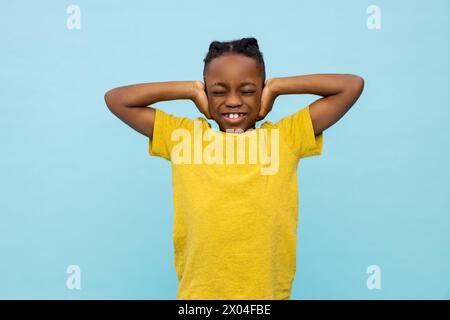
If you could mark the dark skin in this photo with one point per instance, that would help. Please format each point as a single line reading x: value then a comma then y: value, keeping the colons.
x: 233, y: 84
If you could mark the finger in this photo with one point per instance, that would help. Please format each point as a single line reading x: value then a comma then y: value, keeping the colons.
x: 261, y: 116
x: 205, y: 110
x: 263, y: 110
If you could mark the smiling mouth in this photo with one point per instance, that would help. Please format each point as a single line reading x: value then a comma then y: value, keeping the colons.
x: 234, y: 117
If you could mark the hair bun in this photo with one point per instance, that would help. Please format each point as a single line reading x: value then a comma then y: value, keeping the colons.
x: 247, y: 42
x: 215, y: 45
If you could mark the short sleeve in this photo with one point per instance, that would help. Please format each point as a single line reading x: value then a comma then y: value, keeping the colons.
x: 298, y: 132
x: 161, y: 143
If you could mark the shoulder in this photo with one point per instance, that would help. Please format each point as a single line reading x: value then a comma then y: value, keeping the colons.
x: 165, y: 120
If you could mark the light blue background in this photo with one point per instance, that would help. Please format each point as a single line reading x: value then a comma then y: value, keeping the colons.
x: 78, y: 187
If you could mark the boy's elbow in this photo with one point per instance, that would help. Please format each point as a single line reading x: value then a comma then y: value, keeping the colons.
x: 357, y: 83
x: 110, y: 99
x: 107, y: 97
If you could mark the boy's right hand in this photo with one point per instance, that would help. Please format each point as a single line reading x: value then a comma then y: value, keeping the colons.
x: 201, y: 99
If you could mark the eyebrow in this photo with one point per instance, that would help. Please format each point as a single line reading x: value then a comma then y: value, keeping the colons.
x: 222, y: 84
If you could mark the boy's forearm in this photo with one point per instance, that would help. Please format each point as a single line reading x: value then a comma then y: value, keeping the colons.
x: 144, y: 94
x: 318, y: 84
x: 339, y: 92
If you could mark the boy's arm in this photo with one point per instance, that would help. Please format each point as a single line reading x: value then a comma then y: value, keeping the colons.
x: 129, y: 103
x: 339, y: 92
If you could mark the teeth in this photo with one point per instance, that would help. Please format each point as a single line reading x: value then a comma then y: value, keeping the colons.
x: 233, y: 115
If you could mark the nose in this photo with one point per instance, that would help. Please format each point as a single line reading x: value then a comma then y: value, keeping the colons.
x: 233, y: 101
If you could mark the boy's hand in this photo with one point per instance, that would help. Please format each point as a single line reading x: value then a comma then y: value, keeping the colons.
x: 200, y: 98
x: 268, y: 97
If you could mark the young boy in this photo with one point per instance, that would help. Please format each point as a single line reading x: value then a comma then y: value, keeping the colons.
x: 235, y: 190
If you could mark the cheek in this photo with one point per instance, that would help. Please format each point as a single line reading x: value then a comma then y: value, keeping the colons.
x: 256, y: 104
x: 214, y: 105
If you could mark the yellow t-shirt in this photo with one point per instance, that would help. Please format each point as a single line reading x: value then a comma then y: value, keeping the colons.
x: 235, y: 219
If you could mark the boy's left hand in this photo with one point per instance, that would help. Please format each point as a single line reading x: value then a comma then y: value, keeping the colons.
x: 268, y: 97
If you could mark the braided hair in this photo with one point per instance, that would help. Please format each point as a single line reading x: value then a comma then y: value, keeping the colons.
x: 246, y: 46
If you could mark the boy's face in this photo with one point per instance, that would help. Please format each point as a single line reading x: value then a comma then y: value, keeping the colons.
x: 234, y: 86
